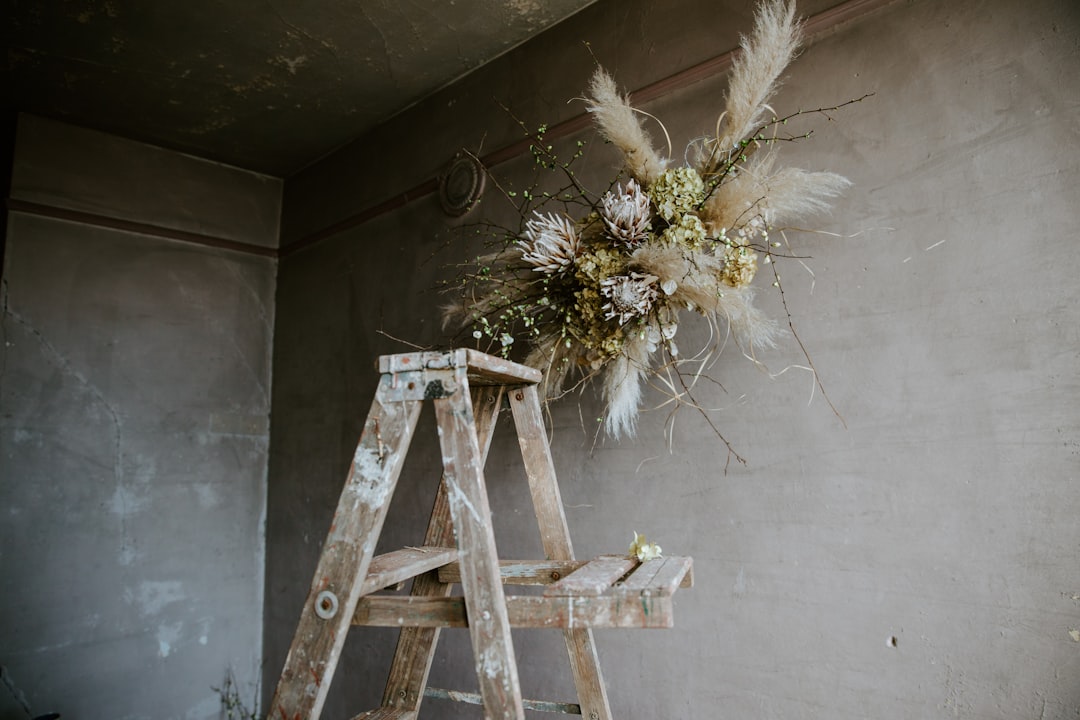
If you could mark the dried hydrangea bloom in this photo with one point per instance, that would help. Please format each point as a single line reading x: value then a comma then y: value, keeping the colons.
x: 628, y: 296
x: 740, y: 265
x: 676, y: 192
x: 550, y: 243
x: 626, y: 214
x: 687, y: 231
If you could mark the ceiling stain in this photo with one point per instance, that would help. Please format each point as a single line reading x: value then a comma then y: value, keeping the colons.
x: 267, y: 86
x: 526, y: 7
x: 291, y: 64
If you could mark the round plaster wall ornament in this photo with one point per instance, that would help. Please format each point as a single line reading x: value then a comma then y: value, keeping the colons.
x: 461, y: 185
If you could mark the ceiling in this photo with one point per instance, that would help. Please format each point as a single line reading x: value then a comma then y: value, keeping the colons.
x: 268, y: 85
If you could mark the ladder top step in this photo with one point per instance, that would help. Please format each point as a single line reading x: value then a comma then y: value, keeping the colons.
x: 483, y: 369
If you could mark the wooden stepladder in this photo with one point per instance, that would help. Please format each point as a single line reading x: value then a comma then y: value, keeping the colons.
x: 468, y: 389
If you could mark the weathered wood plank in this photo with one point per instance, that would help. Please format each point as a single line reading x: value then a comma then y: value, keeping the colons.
x: 416, y: 645
x: 585, y: 613
x: 483, y: 369
x: 520, y: 572
x: 594, y: 577
x: 555, y: 536
x: 533, y: 611
x: 661, y: 576
x: 400, y: 565
x: 345, y: 559
x: 471, y: 698
x: 489, y: 629
x: 540, y: 471
x: 487, y: 369
x: 424, y: 360
x: 386, y: 713
x: 540, y: 572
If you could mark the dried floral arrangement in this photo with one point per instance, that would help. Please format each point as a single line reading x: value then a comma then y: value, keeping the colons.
x: 596, y: 287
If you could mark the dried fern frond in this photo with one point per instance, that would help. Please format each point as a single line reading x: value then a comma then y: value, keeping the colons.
x: 620, y: 123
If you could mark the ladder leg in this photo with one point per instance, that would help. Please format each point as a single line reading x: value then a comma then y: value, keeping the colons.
x: 416, y: 645
x: 346, y: 556
x: 489, y: 625
x: 555, y: 536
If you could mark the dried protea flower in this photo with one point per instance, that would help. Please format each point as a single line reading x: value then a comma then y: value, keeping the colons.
x: 628, y: 295
x: 626, y: 214
x: 550, y: 243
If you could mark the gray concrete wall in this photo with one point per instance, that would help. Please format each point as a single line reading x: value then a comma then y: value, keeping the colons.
x: 920, y: 561
x: 134, y: 386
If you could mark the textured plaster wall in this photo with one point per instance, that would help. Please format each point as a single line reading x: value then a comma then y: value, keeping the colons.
x: 917, y: 560
x: 134, y: 387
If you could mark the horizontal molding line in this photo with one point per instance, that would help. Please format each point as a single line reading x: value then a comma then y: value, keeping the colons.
x: 395, y: 202
x: 104, y: 221
x: 815, y: 28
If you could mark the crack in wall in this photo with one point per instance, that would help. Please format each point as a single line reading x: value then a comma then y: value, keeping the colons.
x: 3, y: 329
x: 124, y: 498
x: 267, y: 325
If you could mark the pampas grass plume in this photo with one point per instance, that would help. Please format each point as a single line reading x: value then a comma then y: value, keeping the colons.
x: 755, y: 72
x: 779, y: 197
x: 619, y: 123
x: 622, y: 389
x: 793, y: 193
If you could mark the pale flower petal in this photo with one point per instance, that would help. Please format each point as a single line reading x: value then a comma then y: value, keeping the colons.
x: 644, y: 550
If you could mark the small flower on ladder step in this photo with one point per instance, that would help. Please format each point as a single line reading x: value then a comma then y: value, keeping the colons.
x: 644, y: 550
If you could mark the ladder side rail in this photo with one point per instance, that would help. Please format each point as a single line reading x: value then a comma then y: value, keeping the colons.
x: 555, y: 536
x: 416, y: 645
x: 346, y: 555
x: 489, y: 625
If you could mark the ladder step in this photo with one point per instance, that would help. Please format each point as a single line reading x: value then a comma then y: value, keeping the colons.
x: 520, y: 572
x: 594, y: 577
x: 661, y: 576
x: 537, y: 572
x: 387, y: 713
x: 483, y: 369
x: 475, y: 699
x: 400, y: 565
